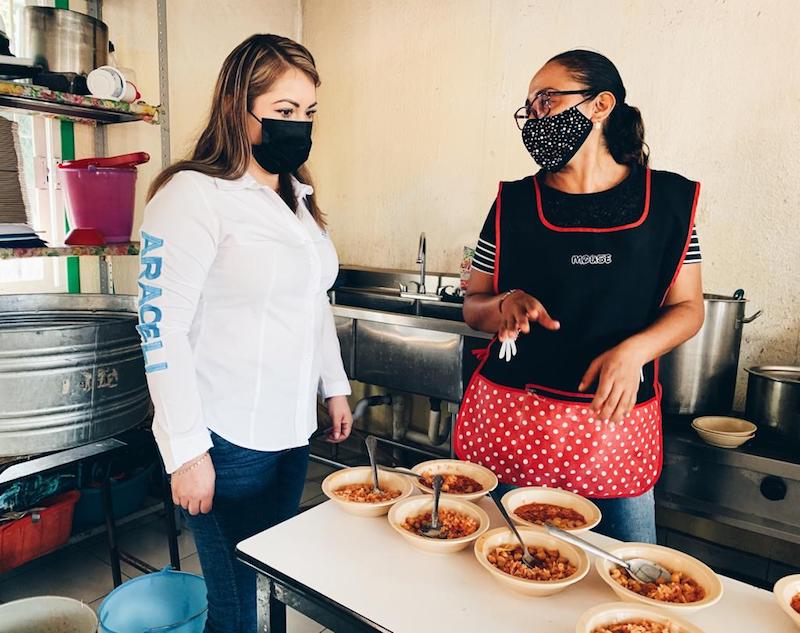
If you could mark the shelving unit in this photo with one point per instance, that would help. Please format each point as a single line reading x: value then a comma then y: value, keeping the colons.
x: 24, y: 98
x: 109, y: 250
x: 69, y: 108
x: 31, y: 99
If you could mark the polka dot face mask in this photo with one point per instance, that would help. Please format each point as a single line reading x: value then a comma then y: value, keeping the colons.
x: 553, y: 140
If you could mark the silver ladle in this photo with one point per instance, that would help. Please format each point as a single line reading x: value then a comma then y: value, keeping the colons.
x: 639, y: 569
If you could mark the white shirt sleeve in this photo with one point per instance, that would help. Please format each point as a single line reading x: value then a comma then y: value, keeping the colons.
x: 333, y: 378
x: 179, y: 243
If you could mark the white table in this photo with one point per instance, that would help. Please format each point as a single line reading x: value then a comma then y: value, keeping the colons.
x: 356, y: 574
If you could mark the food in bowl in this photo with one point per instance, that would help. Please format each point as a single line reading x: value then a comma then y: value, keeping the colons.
x: 637, y: 626
x: 364, y: 493
x: 452, y: 483
x: 680, y: 589
x: 551, y: 565
x: 453, y: 524
x: 541, y: 513
x: 796, y: 602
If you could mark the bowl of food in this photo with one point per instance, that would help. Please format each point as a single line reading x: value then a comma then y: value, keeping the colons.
x: 787, y: 593
x: 462, y: 522
x: 627, y: 617
x: 693, y: 586
x: 351, y: 489
x: 463, y: 480
x: 559, y: 564
x: 533, y: 506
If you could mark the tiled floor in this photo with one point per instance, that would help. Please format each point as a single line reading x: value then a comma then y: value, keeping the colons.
x: 82, y: 571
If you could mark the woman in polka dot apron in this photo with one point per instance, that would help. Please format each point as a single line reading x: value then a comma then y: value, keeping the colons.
x: 581, y: 272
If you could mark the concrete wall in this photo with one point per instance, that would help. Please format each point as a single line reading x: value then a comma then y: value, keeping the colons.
x: 415, y: 126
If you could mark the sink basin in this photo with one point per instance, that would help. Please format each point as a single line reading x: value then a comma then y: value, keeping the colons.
x: 402, y: 343
x: 442, y: 310
x: 374, y: 299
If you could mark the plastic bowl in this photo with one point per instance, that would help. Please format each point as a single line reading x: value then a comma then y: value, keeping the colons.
x: 537, y: 588
x: 674, y: 561
x: 47, y: 613
x: 479, y: 473
x: 537, y: 494
x: 723, y: 440
x: 363, y: 475
x: 621, y: 612
x: 725, y: 424
x: 784, y: 590
x: 424, y: 503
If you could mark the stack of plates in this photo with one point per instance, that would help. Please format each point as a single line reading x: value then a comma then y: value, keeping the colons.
x: 724, y: 432
x: 19, y: 236
x: 13, y: 207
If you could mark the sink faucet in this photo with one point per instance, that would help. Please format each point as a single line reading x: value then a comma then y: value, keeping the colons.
x: 421, y: 256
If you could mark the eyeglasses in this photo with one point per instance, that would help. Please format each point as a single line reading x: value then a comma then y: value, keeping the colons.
x: 541, y: 105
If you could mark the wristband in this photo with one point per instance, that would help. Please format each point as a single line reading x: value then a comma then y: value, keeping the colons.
x: 503, y: 298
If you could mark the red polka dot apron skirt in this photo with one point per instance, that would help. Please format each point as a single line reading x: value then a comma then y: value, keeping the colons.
x: 525, y: 419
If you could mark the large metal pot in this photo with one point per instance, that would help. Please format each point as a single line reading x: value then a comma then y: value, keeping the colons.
x: 71, y: 371
x: 773, y: 398
x: 699, y: 377
x: 63, y: 41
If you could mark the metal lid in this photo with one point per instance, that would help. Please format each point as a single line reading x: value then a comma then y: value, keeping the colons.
x: 781, y: 373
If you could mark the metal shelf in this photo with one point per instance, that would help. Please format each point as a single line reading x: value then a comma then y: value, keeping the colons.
x: 31, y: 99
x: 108, y: 250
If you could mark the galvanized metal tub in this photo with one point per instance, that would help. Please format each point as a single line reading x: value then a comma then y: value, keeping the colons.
x: 71, y: 371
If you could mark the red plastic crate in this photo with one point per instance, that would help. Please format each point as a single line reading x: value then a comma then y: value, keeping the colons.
x: 25, y: 539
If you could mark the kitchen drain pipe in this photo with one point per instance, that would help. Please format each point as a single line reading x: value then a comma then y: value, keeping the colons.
x: 366, y: 403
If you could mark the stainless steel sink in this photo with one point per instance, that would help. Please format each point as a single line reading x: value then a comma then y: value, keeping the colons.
x: 411, y: 345
x: 374, y: 299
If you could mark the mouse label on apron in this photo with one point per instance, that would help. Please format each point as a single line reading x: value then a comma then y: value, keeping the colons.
x: 525, y: 419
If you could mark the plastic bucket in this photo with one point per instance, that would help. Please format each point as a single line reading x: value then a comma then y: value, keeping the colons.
x: 101, y: 198
x: 163, y: 602
x: 47, y: 614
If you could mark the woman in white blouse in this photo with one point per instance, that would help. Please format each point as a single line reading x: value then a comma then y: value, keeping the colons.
x: 238, y: 335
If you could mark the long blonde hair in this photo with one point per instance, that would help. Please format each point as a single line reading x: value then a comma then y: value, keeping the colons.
x: 223, y: 149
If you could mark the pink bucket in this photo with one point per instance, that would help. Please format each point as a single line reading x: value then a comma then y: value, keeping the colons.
x: 101, y: 198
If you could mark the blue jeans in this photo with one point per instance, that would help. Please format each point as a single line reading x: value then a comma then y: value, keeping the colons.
x: 255, y: 490
x: 631, y: 519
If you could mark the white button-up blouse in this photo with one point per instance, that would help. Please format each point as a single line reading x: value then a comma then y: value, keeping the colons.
x: 237, y: 331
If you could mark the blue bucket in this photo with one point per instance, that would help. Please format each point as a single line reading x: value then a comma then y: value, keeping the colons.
x: 162, y: 602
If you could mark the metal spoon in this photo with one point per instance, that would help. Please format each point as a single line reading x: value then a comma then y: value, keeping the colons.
x: 434, y: 528
x: 372, y: 445
x: 527, y: 558
x: 399, y: 471
x: 639, y: 569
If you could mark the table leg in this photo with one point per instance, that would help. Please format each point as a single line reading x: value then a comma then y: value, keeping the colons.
x: 111, y: 529
x: 271, y: 611
x: 172, y: 529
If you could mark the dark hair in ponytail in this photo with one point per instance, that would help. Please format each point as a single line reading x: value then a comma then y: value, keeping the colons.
x: 624, y: 128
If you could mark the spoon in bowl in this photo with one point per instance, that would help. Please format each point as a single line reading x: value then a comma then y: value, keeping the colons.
x: 434, y: 528
x: 372, y: 445
x: 527, y: 558
x: 639, y: 569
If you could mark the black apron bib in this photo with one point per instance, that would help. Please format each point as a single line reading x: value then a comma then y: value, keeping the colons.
x: 603, y: 285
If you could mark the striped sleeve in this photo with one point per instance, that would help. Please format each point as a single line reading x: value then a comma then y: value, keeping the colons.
x: 483, y: 260
x: 693, y: 255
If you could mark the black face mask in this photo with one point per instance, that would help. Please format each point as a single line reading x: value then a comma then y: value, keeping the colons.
x: 285, y: 145
x: 554, y: 140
